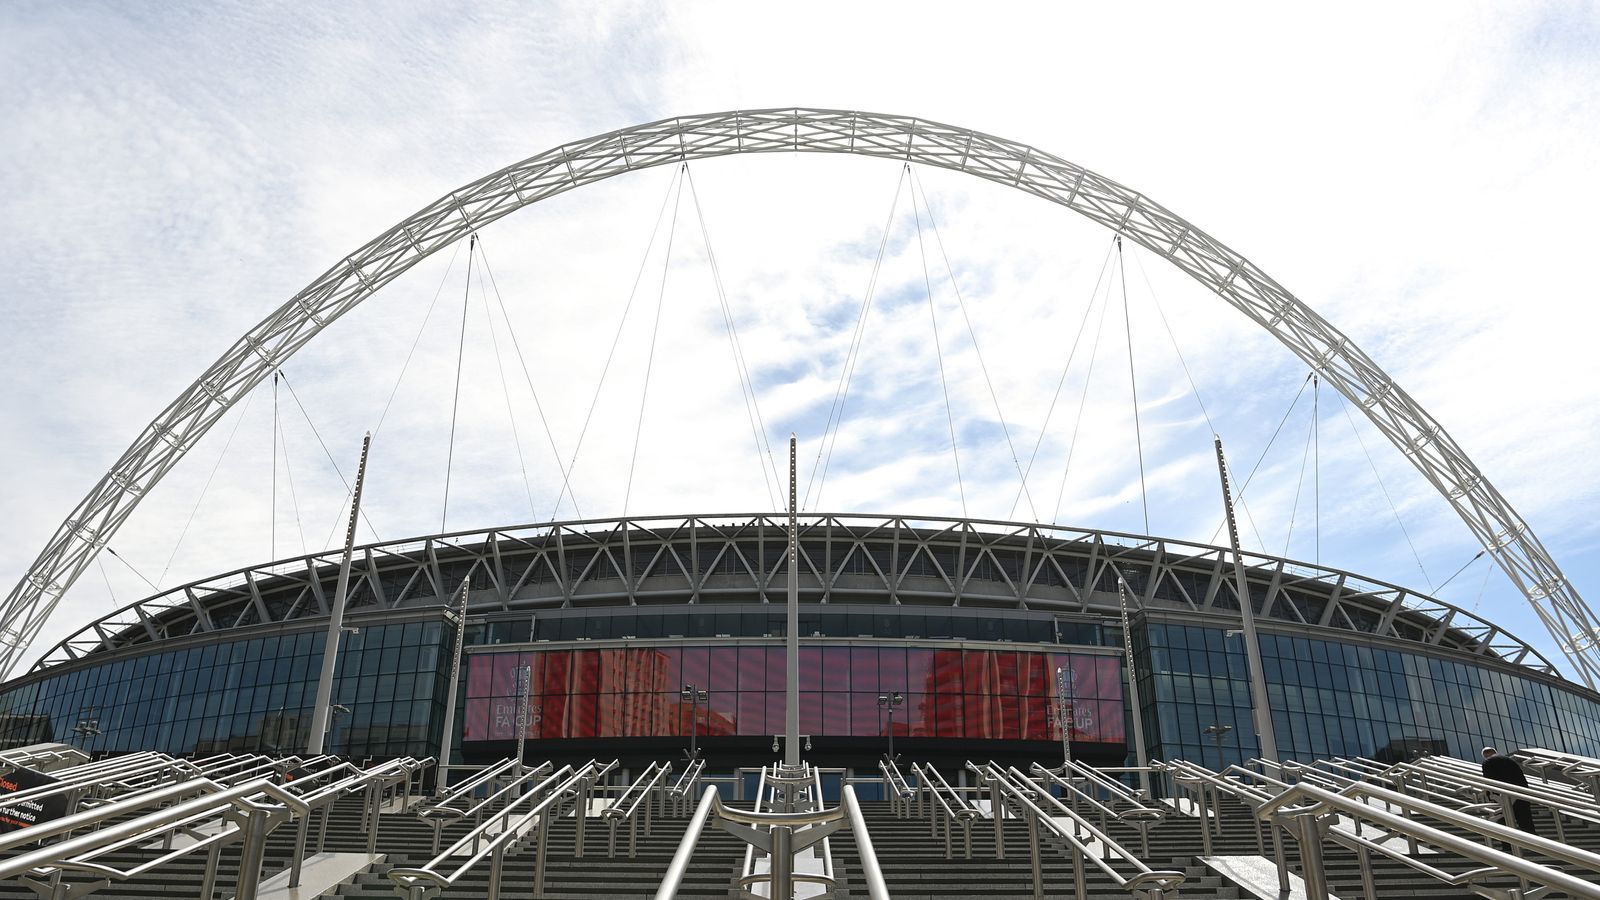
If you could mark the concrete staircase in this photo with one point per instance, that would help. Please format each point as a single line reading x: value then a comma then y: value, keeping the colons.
x: 913, y: 862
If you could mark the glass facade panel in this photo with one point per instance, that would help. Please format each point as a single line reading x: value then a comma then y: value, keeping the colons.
x: 247, y: 695
x: 1332, y: 698
x: 995, y: 694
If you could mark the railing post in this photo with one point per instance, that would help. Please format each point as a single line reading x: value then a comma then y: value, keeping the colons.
x: 541, y: 846
x: 580, y: 815
x: 782, y: 860
x: 497, y: 868
x: 252, y: 854
x: 997, y: 813
x: 1080, y: 885
x: 1364, y: 861
x: 1033, y: 851
x: 1311, y: 869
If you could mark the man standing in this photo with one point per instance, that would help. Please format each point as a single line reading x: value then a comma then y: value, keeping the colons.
x: 1504, y: 769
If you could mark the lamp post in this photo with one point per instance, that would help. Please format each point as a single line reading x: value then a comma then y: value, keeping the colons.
x: 695, y: 696
x: 1218, y: 732
x: 889, y: 702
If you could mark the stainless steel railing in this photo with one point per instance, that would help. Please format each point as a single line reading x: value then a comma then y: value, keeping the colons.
x: 1303, y: 809
x: 1118, y: 806
x: 1010, y: 787
x: 946, y: 808
x: 894, y: 785
x: 649, y: 789
x: 512, y: 788
x: 249, y: 812
x: 533, y: 811
x: 682, y: 794
x: 783, y: 833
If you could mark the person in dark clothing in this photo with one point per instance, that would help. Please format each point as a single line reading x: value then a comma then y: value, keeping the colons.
x: 1504, y: 769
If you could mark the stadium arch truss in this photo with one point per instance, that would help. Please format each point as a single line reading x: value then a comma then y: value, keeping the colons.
x: 844, y: 559
x: 1243, y: 285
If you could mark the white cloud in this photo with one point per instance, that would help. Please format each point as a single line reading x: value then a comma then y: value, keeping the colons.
x: 1419, y: 174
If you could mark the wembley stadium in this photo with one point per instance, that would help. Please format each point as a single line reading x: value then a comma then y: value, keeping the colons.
x: 1071, y: 687
x: 968, y: 621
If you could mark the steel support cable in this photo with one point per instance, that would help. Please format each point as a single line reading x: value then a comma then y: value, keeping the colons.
x: 1316, y: 464
x: 327, y: 454
x: 1133, y: 385
x: 118, y: 557
x: 938, y: 350
x: 505, y: 390
x: 516, y: 346
x: 294, y: 497
x: 841, y: 392
x: 1194, y: 388
x: 994, y: 397
x: 633, y: 294
x: 1083, y: 403
x: 107, y: 578
x: 1088, y: 309
x: 747, y: 383
x: 1345, y: 406
x: 650, y: 359
x: 1299, y: 485
x: 1239, y: 496
x: 204, y: 489
x: 455, y: 402
x: 1463, y: 568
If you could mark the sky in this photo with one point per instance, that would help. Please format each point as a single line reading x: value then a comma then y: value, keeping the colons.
x: 1422, y: 175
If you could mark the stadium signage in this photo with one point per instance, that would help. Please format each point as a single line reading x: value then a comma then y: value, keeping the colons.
x: 18, y: 815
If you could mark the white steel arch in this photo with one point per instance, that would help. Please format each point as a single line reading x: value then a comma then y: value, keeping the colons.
x: 1237, y: 280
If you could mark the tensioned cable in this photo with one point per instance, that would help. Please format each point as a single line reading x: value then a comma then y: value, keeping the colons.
x: 1133, y: 385
x: 215, y: 466
x: 1345, y: 405
x: 841, y: 392
x: 650, y: 359
x: 611, y: 354
x: 405, y: 365
x: 1299, y: 485
x: 747, y: 384
x: 455, y: 403
x: 1194, y: 388
x: 516, y: 346
x: 294, y: 497
x: 1316, y: 466
x: 1088, y: 309
x: 505, y: 389
x: 1264, y: 451
x: 1083, y: 403
x: 109, y: 589
x: 304, y: 414
x: 938, y: 350
x: 1478, y: 601
x: 1475, y: 558
x: 119, y: 559
x: 994, y: 397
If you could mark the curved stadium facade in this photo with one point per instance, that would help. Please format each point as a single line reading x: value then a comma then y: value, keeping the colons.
x: 968, y: 620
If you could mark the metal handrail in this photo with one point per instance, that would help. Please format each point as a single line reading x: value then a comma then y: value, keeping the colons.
x: 871, y: 870
x: 651, y: 781
x: 31, y: 756
x: 682, y: 793
x: 465, y: 788
x: 1008, y: 786
x: 1304, y: 821
x: 247, y: 801
x: 930, y: 782
x: 782, y: 838
x: 900, y: 793
x: 537, y: 809
x: 1140, y: 817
